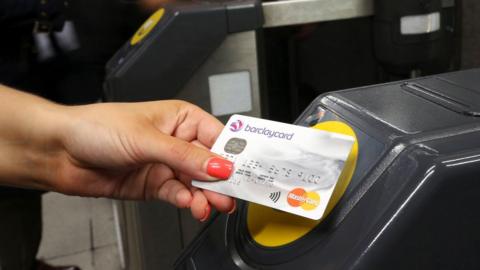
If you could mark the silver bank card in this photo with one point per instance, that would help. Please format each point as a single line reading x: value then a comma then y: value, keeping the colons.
x: 287, y: 167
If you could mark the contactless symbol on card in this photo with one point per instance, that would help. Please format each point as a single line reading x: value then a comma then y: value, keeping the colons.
x: 275, y: 196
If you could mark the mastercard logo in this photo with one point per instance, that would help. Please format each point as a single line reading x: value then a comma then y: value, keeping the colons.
x: 299, y: 197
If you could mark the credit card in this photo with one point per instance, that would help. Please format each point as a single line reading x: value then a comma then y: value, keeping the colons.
x: 287, y: 167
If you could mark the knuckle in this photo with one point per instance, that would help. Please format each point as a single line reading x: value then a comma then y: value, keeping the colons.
x: 183, y: 151
x: 180, y: 103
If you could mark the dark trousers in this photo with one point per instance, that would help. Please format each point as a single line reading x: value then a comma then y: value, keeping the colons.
x: 20, y: 228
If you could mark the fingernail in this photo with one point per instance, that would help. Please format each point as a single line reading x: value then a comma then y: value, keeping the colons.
x: 219, y: 168
x: 206, y: 215
x: 234, y: 207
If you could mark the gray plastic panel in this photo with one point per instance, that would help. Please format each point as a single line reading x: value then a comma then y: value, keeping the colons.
x: 409, y: 111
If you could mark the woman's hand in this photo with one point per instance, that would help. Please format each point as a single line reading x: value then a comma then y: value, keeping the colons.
x: 149, y: 150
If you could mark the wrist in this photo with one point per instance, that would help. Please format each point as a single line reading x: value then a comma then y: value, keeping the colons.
x: 30, y: 139
x: 46, y: 152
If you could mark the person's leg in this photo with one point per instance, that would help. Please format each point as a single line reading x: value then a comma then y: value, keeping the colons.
x: 20, y: 228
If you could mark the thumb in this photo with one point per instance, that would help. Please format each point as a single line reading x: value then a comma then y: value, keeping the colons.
x: 186, y: 157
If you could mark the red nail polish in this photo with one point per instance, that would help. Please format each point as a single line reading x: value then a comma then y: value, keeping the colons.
x: 219, y: 168
x: 206, y: 215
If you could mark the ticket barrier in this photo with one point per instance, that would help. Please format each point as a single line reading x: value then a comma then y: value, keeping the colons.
x: 407, y: 198
x: 217, y: 55
x: 203, y: 52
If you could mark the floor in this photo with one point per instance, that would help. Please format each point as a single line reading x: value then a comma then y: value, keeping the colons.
x: 79, y: 231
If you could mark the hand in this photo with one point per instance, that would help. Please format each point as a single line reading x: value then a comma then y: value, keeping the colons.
x: 142, y: 151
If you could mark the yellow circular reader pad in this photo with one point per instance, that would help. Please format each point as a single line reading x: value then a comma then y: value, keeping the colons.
x: 274, y: 228
x: 147, y: 26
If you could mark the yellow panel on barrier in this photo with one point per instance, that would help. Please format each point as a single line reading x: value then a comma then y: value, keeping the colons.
x: 274, y: 228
